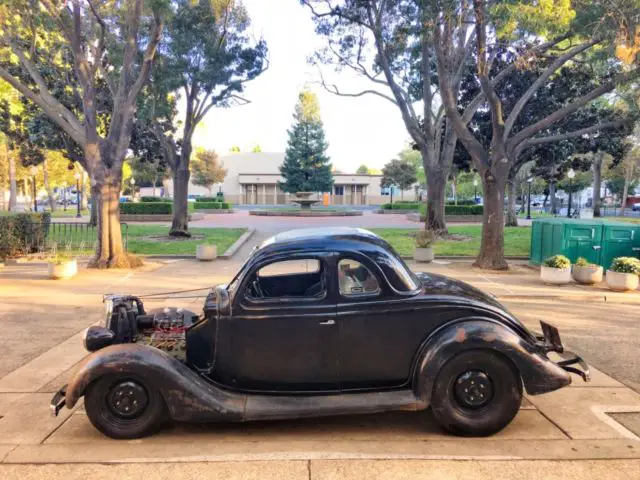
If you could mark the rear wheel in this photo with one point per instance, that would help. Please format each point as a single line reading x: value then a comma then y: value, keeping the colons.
x: 476, y: 393
x: 123, y: 406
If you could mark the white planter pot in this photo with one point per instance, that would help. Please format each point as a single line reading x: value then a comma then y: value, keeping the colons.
x: 555, y: 276
x: 423, y: 254
x: 63, y: 270
x: 587, y: 275
x: 622, y: 282
x: 206, y: 252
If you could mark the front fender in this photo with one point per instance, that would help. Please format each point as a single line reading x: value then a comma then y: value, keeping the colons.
x: 538, y: 373
x: 187, y: 395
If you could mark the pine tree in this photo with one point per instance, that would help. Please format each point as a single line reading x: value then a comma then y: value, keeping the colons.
x: 306, y: 166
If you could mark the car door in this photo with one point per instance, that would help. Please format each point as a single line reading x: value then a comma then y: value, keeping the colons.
x: 287, y: 343
x: 379, y: 331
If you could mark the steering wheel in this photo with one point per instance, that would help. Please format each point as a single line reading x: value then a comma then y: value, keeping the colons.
x: 255, y: 286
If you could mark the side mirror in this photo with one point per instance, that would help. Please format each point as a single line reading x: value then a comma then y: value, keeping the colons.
x: 222, y: 299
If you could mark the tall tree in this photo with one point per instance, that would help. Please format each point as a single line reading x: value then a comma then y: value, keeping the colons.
x: 113, y: 42
x: 391, y: 44
x: 306, y: 166
x: 570, y: 38
x: 399, y: 173
x: 206, y: 59
x: 207, y: 169
x: 362, y: 170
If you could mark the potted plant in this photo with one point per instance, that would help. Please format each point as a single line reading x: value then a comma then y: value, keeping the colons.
x: 586, y: 273
x: 556, y: 270
x: 623, y: 274
x: 424, y: 246
x: 62, y: 266
x: 206, y: 252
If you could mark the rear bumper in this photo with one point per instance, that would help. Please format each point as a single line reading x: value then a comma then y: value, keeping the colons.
x: 550, y: 341
x: 58, y: 401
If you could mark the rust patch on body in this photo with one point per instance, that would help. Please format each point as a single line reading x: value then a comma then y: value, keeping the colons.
x: 461, y: 335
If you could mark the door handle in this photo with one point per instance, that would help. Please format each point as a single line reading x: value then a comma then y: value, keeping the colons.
x: 328, y: 322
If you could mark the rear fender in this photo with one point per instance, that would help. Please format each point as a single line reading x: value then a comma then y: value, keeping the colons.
x: 187, y: 395
x: 538, y: 373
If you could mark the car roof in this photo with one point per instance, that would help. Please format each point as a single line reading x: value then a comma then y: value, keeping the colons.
x: 332, y: 237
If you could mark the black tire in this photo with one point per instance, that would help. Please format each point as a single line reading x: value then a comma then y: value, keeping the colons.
x: 146, y: 410
x: 476, y: 393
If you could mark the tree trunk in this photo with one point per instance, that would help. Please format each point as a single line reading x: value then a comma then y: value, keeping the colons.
x: 47, y: 187
x: 554, y: 200
x: 512, y: 216
x: 106, y: 185
x: 625, y: 194
x: 180, y: 220
x: 84, y: 203
x: 491, y: 254
x: 597, y: 180
x: 13, y: 183
x: 95, y: 194
x: 436, y: 193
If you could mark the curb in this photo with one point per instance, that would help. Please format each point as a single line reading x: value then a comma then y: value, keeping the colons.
x: 229, y: 252
x: 238, y: 244
x: 463, y: 257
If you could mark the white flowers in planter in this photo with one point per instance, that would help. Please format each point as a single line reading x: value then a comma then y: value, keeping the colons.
x: 424, y: 246
x: 587, y: 273
x: 62, y: 266
x: 206, y: 252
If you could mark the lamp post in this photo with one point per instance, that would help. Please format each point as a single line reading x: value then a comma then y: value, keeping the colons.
x: 34, y: 171
x: 475, y: 190
x: 77, y: 177
x: 64, y: 195
x: 133, y: 188
x: 571, y: 174
x: 529, y: 181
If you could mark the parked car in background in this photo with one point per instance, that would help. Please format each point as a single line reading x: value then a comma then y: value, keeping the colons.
x: 192, y: 197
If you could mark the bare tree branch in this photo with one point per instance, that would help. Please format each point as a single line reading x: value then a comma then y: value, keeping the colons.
x: 332, y: 88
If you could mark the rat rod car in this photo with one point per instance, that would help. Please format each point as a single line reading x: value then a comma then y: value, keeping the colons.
x: 316, y: 322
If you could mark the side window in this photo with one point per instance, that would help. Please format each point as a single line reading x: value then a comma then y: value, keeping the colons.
x: 301, y: 278
x: 355, y: 279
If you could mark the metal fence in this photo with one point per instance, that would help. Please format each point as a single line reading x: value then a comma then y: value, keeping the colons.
x: 69, y: 237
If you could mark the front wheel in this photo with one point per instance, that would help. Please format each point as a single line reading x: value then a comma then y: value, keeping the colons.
x: 476, y: 393
x: 124, y: 407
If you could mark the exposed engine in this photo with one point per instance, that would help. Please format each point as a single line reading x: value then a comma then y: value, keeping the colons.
x: 128, y: 322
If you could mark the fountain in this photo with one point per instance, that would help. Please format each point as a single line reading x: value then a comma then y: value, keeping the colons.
x: 302, y: 199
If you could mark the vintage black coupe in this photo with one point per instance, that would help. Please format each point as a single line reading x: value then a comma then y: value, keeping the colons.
x: 316, y: 322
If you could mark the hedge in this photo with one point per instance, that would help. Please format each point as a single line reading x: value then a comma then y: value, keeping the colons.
x: 150, y: 208
x: 207, y: 199
x: 212, y: 205
x: 153, y: 200
x: 402, y: 206
x: 459, y: 209
x: 23, y: 233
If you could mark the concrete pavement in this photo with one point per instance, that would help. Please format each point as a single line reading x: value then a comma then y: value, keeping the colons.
x: 578, y: 432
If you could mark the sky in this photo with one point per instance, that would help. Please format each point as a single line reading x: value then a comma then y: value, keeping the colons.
x: 364, y: 130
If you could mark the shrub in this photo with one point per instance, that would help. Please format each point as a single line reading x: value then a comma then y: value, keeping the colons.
x: 458, y: 209
x: 557, y: 261
x: 425, y: 238
x: 151, y: 208
x: 207, y: 199
x: 225, y: 205
x: 401, y: 206
x: 207, y: 205
x: 462, y: 202
x: 153, y: 200
x: 23, y: 233
x: 583, y: 262
x: 626, y: 265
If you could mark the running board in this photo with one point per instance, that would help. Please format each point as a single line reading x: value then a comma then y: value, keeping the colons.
x: 267, y: 407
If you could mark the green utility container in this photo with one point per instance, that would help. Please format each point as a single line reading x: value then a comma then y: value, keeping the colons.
x: 597, y: 240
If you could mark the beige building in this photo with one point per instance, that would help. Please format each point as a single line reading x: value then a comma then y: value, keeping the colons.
x: 252, y: 179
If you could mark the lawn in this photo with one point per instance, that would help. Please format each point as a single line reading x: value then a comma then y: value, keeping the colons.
x: 140, y: 240
x: 517, y: 240
x: 70, y: 212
